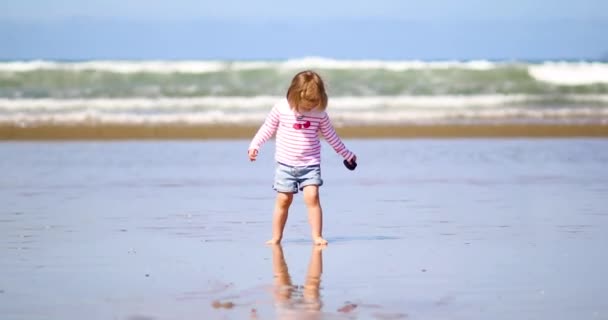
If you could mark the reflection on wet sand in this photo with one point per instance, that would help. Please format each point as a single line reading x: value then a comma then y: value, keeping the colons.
x: 292, y: 300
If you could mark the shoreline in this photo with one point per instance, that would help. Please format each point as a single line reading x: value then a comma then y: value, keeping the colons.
x: 9, y: 132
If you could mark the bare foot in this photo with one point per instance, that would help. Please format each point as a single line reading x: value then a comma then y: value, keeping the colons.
x: 319, y: 241
x: 273, y: 241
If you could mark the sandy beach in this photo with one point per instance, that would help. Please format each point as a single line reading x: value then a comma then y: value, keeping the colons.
x: 423, y: 229
x: 176, y: 131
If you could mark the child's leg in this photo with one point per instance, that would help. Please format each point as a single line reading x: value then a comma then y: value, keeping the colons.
x: 281, y: 208
x: 315, y: 213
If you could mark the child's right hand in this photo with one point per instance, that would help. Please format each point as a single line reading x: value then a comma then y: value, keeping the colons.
x: 253, y: 153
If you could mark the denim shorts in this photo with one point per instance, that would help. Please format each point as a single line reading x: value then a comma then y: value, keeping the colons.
x: 291, y: 179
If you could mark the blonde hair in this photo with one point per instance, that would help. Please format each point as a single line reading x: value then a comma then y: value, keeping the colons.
x: 307, y: 86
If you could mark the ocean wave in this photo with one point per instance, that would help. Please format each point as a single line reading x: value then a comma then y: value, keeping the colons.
x: 324, y: 63
x: 164, y: 67
x: 507, y: 115
x: 192, y: 79
x: 161, y: 67
x: 569, y: 73
x: 378, y: 103
x: 362, y: 110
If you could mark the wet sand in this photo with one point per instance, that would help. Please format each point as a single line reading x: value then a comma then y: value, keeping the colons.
x: 423, y: 229
x: 154, y: 132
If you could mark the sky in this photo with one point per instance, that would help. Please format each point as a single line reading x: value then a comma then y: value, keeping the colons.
x: 266, y: 29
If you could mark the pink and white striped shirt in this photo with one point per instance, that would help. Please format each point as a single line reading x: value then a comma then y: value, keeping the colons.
x: 297, y: 135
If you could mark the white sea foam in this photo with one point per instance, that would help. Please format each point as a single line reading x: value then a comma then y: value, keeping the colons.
x: 570, y: 73
x: 94, y: 117
x: 117, y: 66
x: 215, y: 65
x: 118, y: 104
x: 377, y: 103
x: 598, y: 115
x: 240, y: 110
x: 324, y: 63
x: 558, y: 73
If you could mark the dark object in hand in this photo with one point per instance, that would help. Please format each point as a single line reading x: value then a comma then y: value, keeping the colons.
x: 350, y: 165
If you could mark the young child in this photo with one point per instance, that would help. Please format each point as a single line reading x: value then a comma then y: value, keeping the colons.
x: 297, y: 121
